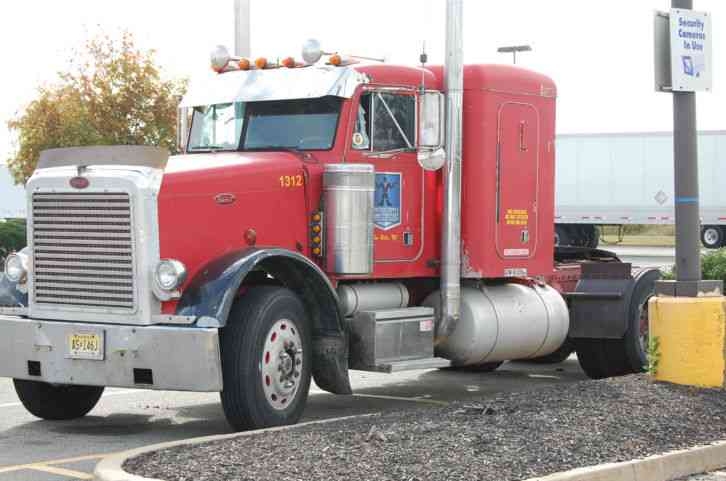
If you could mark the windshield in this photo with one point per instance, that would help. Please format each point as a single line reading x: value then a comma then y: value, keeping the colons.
x: 307, y: 124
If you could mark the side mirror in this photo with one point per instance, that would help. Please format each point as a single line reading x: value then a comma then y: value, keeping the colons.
x: 432, y: 159
x: 431, y: 130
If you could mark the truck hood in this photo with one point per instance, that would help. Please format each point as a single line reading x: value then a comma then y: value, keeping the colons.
x: 216, y: 203
x: 229, y: 172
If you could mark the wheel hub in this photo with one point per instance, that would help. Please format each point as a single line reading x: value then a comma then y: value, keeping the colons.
x: 711, y: 236
x: 281, y: 364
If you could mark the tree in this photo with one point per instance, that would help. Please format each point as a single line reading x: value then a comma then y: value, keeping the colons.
x: 113, y: 93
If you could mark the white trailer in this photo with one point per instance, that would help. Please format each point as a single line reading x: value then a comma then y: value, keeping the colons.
x: 627, y: 178
x: 12, y: 197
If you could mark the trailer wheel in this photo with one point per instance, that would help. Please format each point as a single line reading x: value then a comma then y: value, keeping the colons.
x: 594, y: 240
x: 713, y: 236
x: 266, y: 359
x: 562, y: 236
x: 57, y: 402
x: 601, y: 358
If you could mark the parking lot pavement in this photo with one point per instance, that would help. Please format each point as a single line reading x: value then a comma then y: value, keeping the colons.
x: 644, y: 256
x: 36, y: 450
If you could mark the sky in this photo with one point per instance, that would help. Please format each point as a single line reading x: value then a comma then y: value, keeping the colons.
x: 600, y: 53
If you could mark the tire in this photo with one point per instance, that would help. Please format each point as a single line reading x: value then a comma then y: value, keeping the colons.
x: 480, y: 368
x: 562, y: 236
x: 562, y: 353
x: 593, y: 237
x: 601, y: 358
x: 581, y: 235
x: 57, y: 402
x: 266, y: 359
x: 713, y: 236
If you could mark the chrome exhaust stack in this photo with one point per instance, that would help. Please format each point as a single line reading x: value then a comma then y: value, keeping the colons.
x: 451, y: 229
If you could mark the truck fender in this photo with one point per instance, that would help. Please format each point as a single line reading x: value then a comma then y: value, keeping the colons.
x: 213, y: 290
x: 603, y: 302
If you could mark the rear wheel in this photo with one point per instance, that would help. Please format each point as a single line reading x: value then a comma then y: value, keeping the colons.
x: 564, y: 351
x: 266, y: 360
x: 57, y: 402
x: 601, y: 358
x: 713, y: 236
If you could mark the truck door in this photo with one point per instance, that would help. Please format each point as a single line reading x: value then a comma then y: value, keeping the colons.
x: 517, y: 184
x: 384, y: 134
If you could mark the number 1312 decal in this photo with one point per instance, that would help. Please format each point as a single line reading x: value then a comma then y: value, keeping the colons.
x: 291, y: 180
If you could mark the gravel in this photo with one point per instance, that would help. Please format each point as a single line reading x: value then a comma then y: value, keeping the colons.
x: 512, y: 436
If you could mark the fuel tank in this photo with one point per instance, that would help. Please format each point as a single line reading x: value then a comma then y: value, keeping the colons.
x: 503, y: 322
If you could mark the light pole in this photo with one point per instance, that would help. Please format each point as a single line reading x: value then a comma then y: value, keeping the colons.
x: 513, y: 49
x: 242, y: 28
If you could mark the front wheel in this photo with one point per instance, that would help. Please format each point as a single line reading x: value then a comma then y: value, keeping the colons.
x: 266, y: 360
x: 57, y: 402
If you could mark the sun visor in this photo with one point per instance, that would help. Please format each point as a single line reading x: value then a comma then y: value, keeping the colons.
x: 273, y: 84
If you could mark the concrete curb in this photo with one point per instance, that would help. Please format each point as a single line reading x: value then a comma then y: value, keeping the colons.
x: 111, y: 468
x: 661, y: 467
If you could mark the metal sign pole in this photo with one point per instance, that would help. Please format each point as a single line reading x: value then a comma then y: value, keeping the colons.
x: 683, y: 51
x: 685, y: 150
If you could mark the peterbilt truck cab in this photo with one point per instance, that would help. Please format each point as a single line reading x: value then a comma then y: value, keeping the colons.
x: 298, y: 234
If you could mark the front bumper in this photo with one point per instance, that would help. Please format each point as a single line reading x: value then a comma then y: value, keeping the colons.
x: 148, y: 357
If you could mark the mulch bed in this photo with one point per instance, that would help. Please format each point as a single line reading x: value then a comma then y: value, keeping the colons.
x: 512, y: 436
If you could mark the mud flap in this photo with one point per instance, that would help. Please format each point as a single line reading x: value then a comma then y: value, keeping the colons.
x: 599, y: 307
x: 330, y: 364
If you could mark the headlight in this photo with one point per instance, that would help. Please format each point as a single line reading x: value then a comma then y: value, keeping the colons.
x: 170, y: 274
x: 16, y: 267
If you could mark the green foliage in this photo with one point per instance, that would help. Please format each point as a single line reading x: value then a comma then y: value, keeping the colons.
x: 12, y: 237
x: 113, y: 93
x: 653, y: 355
x: 713, y: 266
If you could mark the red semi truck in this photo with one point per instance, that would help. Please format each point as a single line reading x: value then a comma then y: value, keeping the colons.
x: 308, y: 228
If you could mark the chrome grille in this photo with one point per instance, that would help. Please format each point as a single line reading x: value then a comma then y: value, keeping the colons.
x: 83, y: 252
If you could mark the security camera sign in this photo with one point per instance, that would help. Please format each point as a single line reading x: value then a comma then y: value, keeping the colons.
x: 691, y: 53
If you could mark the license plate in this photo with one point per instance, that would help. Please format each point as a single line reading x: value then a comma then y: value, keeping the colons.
x: 85, y: 345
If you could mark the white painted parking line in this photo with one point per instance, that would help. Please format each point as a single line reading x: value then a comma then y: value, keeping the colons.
x: 409, y: 399
x: 63, y: 472
x: 42, y: 464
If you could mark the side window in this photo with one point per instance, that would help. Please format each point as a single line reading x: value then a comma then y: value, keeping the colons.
x: 385, y: 121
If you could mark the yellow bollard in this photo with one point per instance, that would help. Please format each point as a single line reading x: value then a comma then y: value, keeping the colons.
x: 691, y: 334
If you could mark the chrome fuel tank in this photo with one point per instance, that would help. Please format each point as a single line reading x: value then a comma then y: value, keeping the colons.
x: 348, y: 205
x: 504, y: 322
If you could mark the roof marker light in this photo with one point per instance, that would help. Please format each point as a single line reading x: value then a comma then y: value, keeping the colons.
x: 244, y: 64
x: 261, y: 63
x: 288, y: 62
